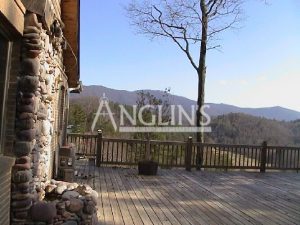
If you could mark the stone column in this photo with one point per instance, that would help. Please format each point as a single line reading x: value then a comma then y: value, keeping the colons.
x: 23, y: 191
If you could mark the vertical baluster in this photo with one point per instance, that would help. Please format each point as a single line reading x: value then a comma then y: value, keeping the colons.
x: 136, y: 157
x: 290, y: 158
x: 298, y: 159
x: 176, y: 155
x: 207, y: 156
x: 118, y: 155
x: 213, y: 149
x: 227, y: 151
x: 124, y: 147
x: 107, y: 151
x: 180, y: 155
x: 271, y: 157
x: 209, y: 148
x: 244, y: 156
x: 295, y: 159
x: 168, y: 155
x: 283, y: 158
x: 132, y: 150
x: 231, y: 154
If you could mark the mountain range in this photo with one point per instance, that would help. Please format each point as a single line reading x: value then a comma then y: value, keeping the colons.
x: 130, y: 97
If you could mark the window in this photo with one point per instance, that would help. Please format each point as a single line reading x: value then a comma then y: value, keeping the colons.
x: 5, y: 51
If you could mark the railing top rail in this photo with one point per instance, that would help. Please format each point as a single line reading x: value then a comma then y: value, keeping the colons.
x: 184, y: 142
x: 283, y: 148
x: 82, y: 135
x: 124, y: 140
x: 226, y: 145
x: 168, y: 142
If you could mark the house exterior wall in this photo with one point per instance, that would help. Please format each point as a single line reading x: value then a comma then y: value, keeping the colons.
x: 36, y: 99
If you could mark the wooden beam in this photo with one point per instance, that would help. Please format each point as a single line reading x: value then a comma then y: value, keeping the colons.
x: 11, y: 14
x: 70, y: 17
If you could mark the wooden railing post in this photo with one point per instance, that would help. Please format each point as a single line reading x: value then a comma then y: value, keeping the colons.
x: 188, y: 154
x: 99, y: 148
x: 263, y: 157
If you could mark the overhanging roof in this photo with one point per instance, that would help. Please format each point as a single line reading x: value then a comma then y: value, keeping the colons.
x: 71, y: 19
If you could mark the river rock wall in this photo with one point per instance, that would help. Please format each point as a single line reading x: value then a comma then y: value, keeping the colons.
x: 39, y: 83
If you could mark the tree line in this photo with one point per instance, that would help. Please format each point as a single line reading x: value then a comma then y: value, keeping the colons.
x: 234, y: 128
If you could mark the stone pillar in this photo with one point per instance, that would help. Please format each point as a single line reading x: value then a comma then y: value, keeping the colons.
x: 23, y: 192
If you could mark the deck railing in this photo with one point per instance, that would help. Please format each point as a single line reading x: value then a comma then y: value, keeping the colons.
x: 186, y: 154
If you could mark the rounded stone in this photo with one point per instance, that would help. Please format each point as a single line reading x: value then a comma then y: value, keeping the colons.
x: 27, y: 135
x: 23, y: 148
x: 22, y: 176
x: 41, y: 116
x: 23, y: 163
x: 74, y: 205
x: 33, y: 53
x: 61, y: 187
x: 24, y: 187
x: 26, y: 108
x: 33, y: 41
x: 30, y: 46
x: 26, y: 116
x: 20, y: 196
x: 72, y: 186
x: 32, y: 20
x: 42, y: 108
x: 22, y: 203
x: 22, y: 209
x: 26, y: 124
x: 69, y: 195
x: 94, y: 196
x: 70, y: 223
x: 27, y: 95
x: 21, y: 215
x: 50, y: 188
x: 43, y: 212
x: 28, y: 83
x: 25, y: 166
x: 46, y: 127
x: 31, y: 36
x: 31, y: 66
x: 31, y: 29
x: 27, y: 101
x: 23, y: 159
x: 89, y: 208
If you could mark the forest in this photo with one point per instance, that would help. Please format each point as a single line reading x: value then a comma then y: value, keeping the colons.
x: 233, y: 128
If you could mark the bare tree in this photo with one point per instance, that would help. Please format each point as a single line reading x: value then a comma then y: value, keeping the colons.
x: 193, y: 25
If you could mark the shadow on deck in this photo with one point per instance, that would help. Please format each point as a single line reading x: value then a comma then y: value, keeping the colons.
x: 179, y: 197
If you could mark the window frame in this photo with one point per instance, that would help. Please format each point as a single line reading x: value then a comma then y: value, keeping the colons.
x: 5, y: 74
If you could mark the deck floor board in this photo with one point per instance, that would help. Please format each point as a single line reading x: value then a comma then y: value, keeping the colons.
x: 199, y: 197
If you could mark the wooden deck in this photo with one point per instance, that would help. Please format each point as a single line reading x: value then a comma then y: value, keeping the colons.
x: 179, y: 197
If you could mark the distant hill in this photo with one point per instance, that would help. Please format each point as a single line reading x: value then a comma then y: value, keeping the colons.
x: 129, y: 98
x: 238, y: 128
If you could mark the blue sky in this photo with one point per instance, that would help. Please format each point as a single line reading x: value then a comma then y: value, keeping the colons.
x: 259, y: 65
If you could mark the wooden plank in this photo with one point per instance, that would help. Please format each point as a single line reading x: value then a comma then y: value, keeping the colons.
x: 203, y: 204
x: 129, y: 203
x: 100, y: 212
x: 136, y: 201
x: 108, y: 213
x: 145, y: 204
x: 261, y: 211
x: 179, y: 197
x: 113, y: 200
x: 126, y: 217
x: 164, y: 207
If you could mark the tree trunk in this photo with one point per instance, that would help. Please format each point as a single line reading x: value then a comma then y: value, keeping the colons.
x: 201, y: 81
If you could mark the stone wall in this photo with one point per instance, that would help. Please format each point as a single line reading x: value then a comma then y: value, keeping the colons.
x: 37, y: 131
